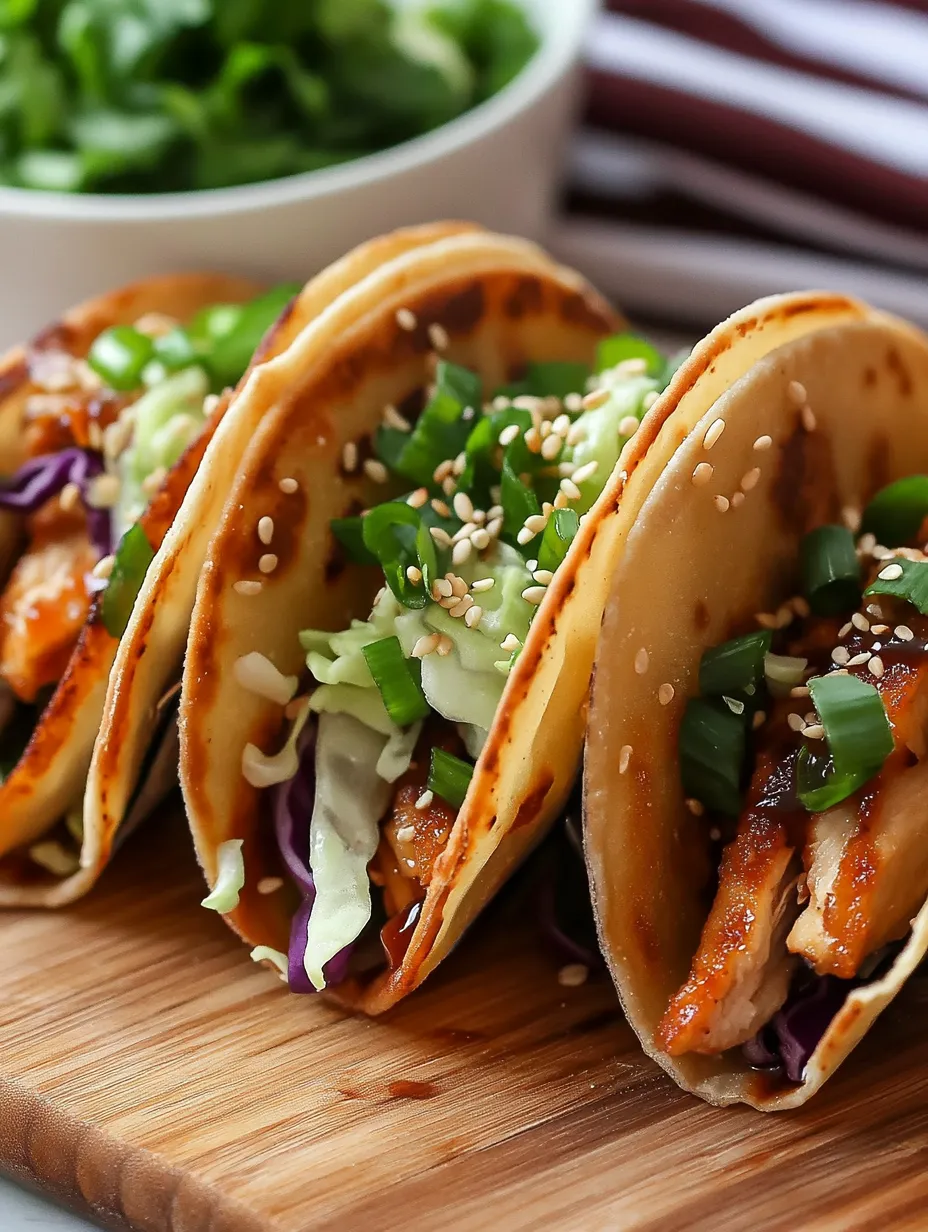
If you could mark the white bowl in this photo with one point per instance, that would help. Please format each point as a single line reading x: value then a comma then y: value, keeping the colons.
x: 497, y: 165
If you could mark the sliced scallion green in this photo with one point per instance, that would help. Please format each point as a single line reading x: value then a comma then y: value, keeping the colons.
x: 620, y: 347
x: 350, y: 534
x: 830, y: 570
x: 449, y: 777
x: 818, y: 786
x: 119, y: 355
x: 518, y: 500
x: 856, y: 726
x: 557, y: 537
x: 734, y: 665
x: 231, y: 352
x: 712, y: 745
x: 394, y: 677
x: 896, y: 513
x: 133, y: 556
x: 441, y: 431
x: 175, y: 350
x: 783, y: 672
x: 398, y: 537
x: 908, y: 580
x: 555, y: 379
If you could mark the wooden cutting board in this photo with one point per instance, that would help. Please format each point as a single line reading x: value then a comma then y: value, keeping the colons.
x: 156, y: 1079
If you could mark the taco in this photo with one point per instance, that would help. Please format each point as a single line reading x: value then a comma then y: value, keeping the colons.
x: 755, y: 825
x: 104, y: 419
x: 384, y: 691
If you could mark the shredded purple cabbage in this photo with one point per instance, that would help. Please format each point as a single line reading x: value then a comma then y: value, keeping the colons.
x: 562, y: 900
x: 293, y: 810
x: 39, y: 479
x: 794, y: 1032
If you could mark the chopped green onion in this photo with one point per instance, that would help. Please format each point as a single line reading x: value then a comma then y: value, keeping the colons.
x: 133, y: 556
x: 712, y: 745
x: 480, y: 471
x: 212, y: 323
x: 911, y: 584
x: 859, y: 740
x: 734, y: 665
x: 818, y: 786
x: 896, y: 513
x: 119, y: 355
x: 175, y: 350
x: 389, y: 444
x: 350, y: 534
x: 441, y: 431
x: 555, y: 379
x: 394, y: 676
x: 620, y: 347
x: 783, y: 672
x: 232, y: 351
x: 557, y: 537
x: 830, y: 570
x: 518, y: 500
x: 449, y: 777
x: 396, y: 535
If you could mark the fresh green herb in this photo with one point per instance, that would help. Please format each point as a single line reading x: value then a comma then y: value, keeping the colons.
x: 449, y: 777
x: 166, y: 95
x: 830, y: 570
x: 549, y: 380
x: 896, y: 513
x: 518, y: 500
x: 119, y: 355
x: 441, y: 430
x: 908, y: 580
x: 396, y: 535
x: 712, y: 748
x: 734, y: 666
x: 558, y: 536
x: 133, y: 556
x: 859, y: 741
x: 396, y: 678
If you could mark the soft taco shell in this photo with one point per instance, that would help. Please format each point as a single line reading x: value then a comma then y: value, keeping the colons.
x: 691, y: 575
x: 49, y: 777
x: 502, y: 302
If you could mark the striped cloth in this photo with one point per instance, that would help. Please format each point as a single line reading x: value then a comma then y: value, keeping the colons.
x: 738, y: 147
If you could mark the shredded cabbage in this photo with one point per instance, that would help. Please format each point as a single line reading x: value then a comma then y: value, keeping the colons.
x: 602, y: 442
x: 264, y: 953
x: 230, y: 877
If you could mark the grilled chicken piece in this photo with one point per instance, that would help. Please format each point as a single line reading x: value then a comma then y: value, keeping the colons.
x: 45, y: 602
x: 741, y: 972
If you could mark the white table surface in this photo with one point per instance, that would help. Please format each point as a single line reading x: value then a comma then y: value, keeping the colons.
x: 22, y: 1211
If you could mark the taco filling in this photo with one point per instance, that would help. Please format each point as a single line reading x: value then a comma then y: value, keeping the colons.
x: 806, y: 754
x: 101, y: 434
x: 394, y: 710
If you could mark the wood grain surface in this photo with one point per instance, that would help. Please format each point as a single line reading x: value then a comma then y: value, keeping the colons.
x: 155, y: 1079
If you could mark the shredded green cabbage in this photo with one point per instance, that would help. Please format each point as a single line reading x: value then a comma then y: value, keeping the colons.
x: 230, y: 877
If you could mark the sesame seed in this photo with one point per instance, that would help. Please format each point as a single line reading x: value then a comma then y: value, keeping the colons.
x: 441, y: 588
x: 438, y: 336
x: 800, y: 606
x: 857, y: 659
x: 845, y: 629
x: 784, y: 615
x: 904, y: 633
x: 531, y: 565
x: 749, y: 480
x: 713, y: 432
x: 815, y: 731
x: 875, y: 610
x: 426, y: 645
x: 573, y: 975
x: 875, y: 666
x: 734, y: 704
x: 494, y: 527
x: 268, y: 885
x: 628, y: 426
x: 551, y: 446
x: 472, y: 616
x: 891, y: 573
x: 288, y: 486
x: 760, y: 718
x: 265, y: 529
x: 441, y: 508
x: 95, y: 434
x: 445, y: 645
x: 860, y: 622
x: 406, y: 319
x: 103, y: 491
x: 533, y: 440
x: 393, y: 419
x: 576, y: 434
x: 880, y: 552
x: 763, y: 442
x: 406, y: 834
x: 625, y: 756
x: 481, y: 539
x: 525, y: 536
x: 462, y: 551
x: 510, y: 642
x: 375, y: 469
x: 418, y: 498
x: 737, y: 498
x: 695, y: 807
x: 69, y: 497
x: 795, y: 721
x: 721, y: 503
x: 766, y: 620
x: 536, y: 522
x: 649, y: 399
x: 808, y: 419
x: 641, y: 661
x: 500, y: 403
x: 104, y: 567
x: 534, y: 594
x: 570, y: 489
x: 573, y: 403
x: 545, y: 429
x: 350, y: 457
x: 702, y: 474
x: 483, y: 584
x: 598, y: 397
x: 448, y: 485
x: 850, y: 516
x: 460, y: 462
x: 840, y: 655
x: 248, y: 587
x: 560, y: 500
x: 800, y: 690
x: 543, y: 576
x: 797, y: 392
x: 665, y: 694
x: 508, y: 434
x: 414, y: 574
x: 464, y: 507
x: 151, y: 483
x: 585, y: 472
x: 425, y: 800
x: 441, y: 537
x: 267, y: 563
x: 561, y: 425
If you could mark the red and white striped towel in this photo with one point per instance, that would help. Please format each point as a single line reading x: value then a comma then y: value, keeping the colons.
x: 739, y: 147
